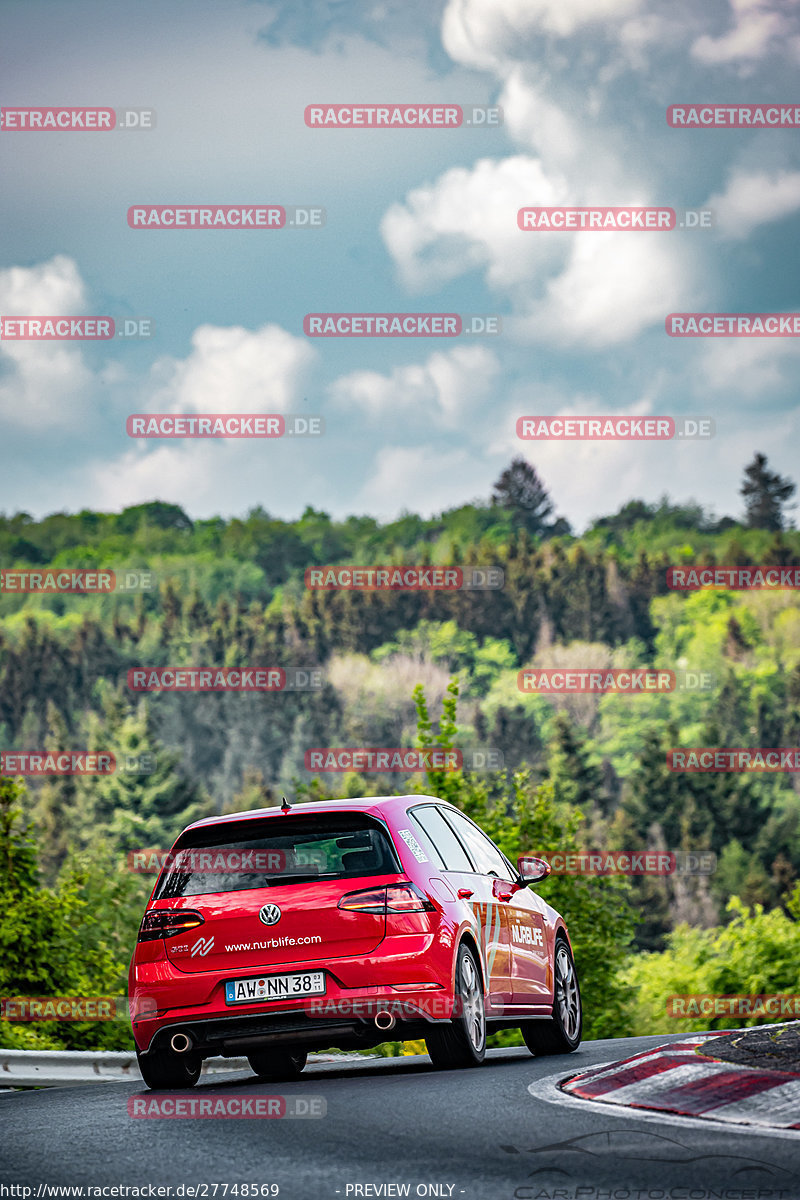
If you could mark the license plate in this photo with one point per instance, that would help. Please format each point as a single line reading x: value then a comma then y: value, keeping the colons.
x: 274, y: 987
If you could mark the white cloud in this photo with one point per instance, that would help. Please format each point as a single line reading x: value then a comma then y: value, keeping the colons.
x: 177, y: 473
x: 52, y: 288
x: 231, y: 369
x: 443, y: 390
x: 46, y: 383
x: 754, y: 198
x: 606, y: 293
x: 484, y: 33
x: 592, y: 287
x: 637, y: 35
x: 467, y: 220
x: 749, y: 367
x: 534, y: 119
x: 758, y: 28
x: 208, y: 477
x: 420, y: 479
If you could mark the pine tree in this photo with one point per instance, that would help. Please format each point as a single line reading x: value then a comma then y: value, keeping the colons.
x: 51, y: 939
x: 54, y: 808
x: 146, y: 801
x: 577, y: 781
x: 521, y: 492
x: 654, y: 793
x: 765, y: 495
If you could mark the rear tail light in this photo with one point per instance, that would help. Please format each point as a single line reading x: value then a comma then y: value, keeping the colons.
x: 167, y: 922
x: 396, y: 898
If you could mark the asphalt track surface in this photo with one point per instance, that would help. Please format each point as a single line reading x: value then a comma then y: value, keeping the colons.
x: 493, y: 1133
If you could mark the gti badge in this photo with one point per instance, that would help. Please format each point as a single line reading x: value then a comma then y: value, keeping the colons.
x: 270, y: 914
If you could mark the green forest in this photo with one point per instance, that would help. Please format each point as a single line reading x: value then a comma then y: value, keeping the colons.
x: 413, y: 668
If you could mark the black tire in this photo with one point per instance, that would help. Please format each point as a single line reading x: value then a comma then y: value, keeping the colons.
x: 169, y: 1070
x: 279, y: 1065
x: 461, y: 1042
x: 561, y: 1034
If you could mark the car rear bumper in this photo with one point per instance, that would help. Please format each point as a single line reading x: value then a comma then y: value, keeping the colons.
x: 163, y: 1002
x: 230, y: 1035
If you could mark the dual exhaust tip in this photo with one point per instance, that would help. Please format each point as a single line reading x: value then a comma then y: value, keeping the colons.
x: 181, y: 1043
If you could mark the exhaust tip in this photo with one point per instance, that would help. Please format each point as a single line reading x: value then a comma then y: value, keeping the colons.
x: 180, y: 1043
x: 385, y: 1020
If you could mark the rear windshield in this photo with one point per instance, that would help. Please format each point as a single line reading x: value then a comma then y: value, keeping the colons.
x: 241, y: 855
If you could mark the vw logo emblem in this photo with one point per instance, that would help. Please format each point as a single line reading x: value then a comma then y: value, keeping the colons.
x: 270, y: 914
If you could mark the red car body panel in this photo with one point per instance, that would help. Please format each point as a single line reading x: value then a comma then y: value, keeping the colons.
x: 397, y: 961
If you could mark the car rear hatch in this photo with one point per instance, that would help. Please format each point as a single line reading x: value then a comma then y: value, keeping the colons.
x: 268, y: 891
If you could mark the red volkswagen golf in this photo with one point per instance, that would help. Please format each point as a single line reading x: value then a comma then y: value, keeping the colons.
x: 283, y: 930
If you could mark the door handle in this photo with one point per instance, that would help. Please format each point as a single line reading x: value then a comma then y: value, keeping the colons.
x: 464, y: 893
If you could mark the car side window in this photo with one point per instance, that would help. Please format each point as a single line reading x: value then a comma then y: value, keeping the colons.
x: 487, y: 858
x: 439, y: 833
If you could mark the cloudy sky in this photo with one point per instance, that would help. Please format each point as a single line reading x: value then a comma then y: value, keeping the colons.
x: 417, y: 220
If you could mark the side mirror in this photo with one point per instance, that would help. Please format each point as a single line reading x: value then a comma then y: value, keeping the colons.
x: 532, y: 869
